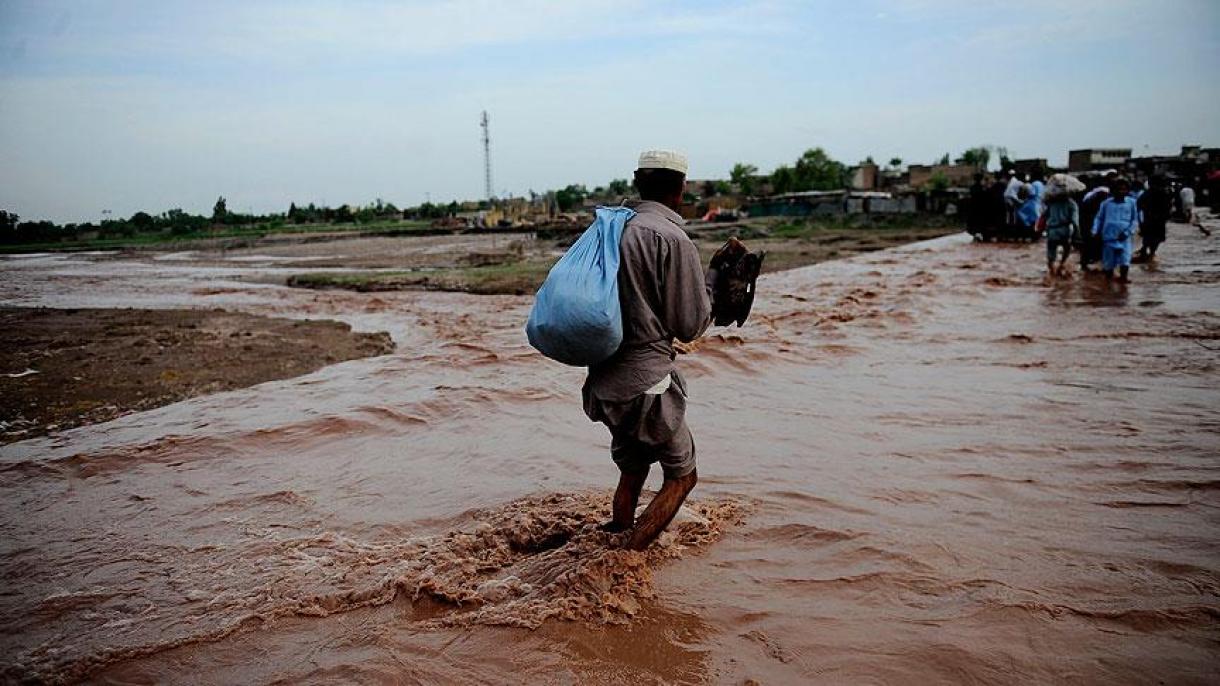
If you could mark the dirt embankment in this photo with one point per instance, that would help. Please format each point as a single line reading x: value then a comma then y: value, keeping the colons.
x: 510, y: 277
x: 519, y: 266
x: 66, y: 368
x: 802, y: 243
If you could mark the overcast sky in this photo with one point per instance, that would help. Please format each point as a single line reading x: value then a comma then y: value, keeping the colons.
x: 160, y: 104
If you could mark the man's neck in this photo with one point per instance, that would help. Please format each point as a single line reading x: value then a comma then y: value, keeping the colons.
x: 667, y: 203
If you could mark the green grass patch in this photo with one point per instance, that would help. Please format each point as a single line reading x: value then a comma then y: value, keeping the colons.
x: 513, y: 278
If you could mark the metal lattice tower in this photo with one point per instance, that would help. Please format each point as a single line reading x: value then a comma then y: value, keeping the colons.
x: 485, y: 123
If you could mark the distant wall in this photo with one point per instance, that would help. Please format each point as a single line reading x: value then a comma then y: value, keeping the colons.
x: 1092, y: 159
x: 959, y: 175
x: 838, y: 204
x: 864, y: 177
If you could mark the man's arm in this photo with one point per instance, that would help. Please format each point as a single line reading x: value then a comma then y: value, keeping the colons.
x: 686, y: 293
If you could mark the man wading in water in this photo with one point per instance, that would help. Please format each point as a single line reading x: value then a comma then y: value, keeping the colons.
x: 637, y: 393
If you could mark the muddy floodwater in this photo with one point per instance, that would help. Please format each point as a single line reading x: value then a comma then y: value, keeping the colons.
x: 920, y: 465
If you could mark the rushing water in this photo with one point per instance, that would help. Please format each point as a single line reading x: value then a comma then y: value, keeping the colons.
x: 918, y: 465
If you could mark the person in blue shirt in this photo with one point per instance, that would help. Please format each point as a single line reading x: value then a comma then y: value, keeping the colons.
x: 1062, y: 222
x: 1031, y: 207
x: 1115, y: 223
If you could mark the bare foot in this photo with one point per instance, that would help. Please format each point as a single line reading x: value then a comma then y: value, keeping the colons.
x: 660, y: 511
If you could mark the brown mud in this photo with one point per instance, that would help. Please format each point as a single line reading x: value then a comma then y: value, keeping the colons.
x: 927, y: 464
x: 65, y: 368
x: 517, y: 264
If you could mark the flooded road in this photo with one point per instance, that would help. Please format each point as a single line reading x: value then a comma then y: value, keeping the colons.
x: 918, y: 465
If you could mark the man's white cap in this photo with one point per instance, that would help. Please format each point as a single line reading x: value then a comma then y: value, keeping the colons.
x: 663, y: 159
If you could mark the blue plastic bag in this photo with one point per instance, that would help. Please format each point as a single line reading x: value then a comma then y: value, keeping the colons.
x: 576, y: 318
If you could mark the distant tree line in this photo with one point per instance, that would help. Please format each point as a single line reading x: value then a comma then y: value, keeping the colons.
x: 177, y: 222
x: 344, y: 214
x: 815, y: 170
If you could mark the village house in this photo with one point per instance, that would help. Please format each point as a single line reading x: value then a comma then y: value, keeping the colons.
x: 920, y: 176
x: 1095, y: 159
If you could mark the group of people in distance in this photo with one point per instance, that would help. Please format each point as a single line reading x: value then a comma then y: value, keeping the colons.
x: 1099, y: 216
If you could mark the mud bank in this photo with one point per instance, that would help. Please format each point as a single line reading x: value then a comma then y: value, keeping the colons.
x: 65, y: 368
x: 518, y: 264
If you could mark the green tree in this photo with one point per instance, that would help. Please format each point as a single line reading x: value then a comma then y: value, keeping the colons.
x: 142, y: 222
x: 180, y: 223
x: 816, y: 171
x: 783, y: 179
x: 619, y: 187
x: 430, y: 211
x: 1002, y: 153
x: 895, y: 162
x: 742, y: 175
x: 570, y: 197
x: 977, y: 157
x: 8, y: 225
x: 220, y: 210
x: 938, y: 182
x: 944, y: 159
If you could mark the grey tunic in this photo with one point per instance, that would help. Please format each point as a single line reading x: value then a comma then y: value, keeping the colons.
x: 664, y: 295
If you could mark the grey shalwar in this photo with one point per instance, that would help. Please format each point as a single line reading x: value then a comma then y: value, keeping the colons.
x: 664, y: 295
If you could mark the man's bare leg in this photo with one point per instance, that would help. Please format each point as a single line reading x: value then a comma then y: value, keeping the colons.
x: 626, y: 498
x: 660, y: 512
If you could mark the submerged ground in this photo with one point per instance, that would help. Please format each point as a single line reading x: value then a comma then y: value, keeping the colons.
x: 70, y: 367
x: 921, y: 464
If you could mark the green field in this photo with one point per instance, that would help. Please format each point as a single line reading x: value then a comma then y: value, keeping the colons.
x: 239, y: 234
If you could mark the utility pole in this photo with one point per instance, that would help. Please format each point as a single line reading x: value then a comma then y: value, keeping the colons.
x: 486, y: 154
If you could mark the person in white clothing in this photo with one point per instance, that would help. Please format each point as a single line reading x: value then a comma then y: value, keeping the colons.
x: 1187, y: 196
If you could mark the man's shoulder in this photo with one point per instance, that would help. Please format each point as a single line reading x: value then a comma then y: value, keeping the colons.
x: 659, y: 226
x: 646, y: 223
